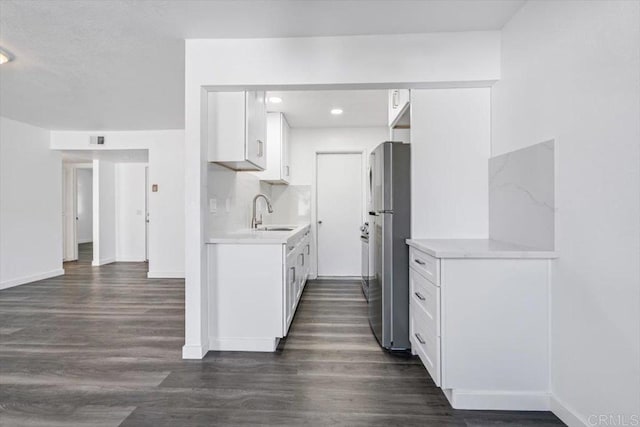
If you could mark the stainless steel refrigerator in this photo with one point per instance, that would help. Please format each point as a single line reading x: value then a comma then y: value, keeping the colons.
x: 390, y: 226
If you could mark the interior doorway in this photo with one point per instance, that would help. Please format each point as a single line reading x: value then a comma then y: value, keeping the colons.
x: 339, y: 204
x: 77, y: 223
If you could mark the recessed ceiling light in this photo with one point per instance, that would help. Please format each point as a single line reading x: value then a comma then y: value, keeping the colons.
x: 275, y: 99
x: 5, y: 56
x: 336, y: 111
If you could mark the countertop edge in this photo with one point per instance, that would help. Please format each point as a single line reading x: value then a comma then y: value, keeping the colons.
x: 475, y: 254
x: 229, y: 239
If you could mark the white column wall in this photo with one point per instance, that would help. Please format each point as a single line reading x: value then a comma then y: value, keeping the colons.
x: 426, y: 60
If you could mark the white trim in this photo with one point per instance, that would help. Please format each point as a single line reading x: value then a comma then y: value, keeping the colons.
x: 32, y: 278
x: 339, y: 278
x: 498, y: 400
x: 165, y: 275
x: 243, y: 344
x: 567, y: 415
x: 98, y: 263
x: 193, y: 351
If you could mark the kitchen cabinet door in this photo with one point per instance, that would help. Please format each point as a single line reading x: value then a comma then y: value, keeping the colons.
x: 256, y: 128
x: 398, y: 105
x: 278, y: 169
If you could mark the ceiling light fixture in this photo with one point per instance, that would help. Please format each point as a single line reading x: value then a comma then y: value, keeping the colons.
x: 5, y: 56
x: 336, y: 111
x: 275, y: 99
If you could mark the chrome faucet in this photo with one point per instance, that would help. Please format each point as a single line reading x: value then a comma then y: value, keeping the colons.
x: 255, y: 222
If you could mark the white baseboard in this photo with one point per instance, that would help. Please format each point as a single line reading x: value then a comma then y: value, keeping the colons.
x: 243, y: 344
x: 339, y: 278
x: 568, y: 416
x: 165, y: 275
x: 498, y: 400
x: 193, y: 351
x: 31, y: 278
x: 98, y: 263
x: 129, y: 259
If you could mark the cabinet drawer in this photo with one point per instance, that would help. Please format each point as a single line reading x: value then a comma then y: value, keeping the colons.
x: 424, y: 342
x: 426, y: 265
x: 425, y: 297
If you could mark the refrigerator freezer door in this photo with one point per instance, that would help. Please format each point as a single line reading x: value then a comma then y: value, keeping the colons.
x: 382, y: 159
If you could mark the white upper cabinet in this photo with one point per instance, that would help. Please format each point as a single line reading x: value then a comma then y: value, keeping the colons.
x: 398, y: 107
x: 278, y: 169
x: 237, y: 129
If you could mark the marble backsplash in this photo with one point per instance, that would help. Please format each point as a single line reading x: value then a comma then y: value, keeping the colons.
x: 234, y: 192
x: 291, y: 204
x: 522, y: 203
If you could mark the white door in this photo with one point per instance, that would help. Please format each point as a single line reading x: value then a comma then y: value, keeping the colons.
x: 339, y: 213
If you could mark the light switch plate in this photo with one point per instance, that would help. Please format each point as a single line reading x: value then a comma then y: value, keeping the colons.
x: 213, y: 205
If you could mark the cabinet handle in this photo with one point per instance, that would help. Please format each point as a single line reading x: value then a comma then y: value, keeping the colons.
x: 419, y: 261
x: 293, y: 279
x: 287, y: 169
x: 260, y: 148
x: 420, y: 297
x: 419, y: 338
x: 302, y: 255
x: 396, y: 101
x: 308, y: 250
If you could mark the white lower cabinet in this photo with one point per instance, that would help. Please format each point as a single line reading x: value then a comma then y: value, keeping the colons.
x: 481, y: 329
x: 254, y: 290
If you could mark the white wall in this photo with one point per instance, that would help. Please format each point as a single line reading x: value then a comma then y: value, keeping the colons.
x: 130, y: 211
x: 428, y: 60
x: 450, y: 146
x: 306, y: 141
x: 571, y: 72
x: 166, y: 207
x: 30, y: 205
x: 84, y: 177
x: 104, y: 212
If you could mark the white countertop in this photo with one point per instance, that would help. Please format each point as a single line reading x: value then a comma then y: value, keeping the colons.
x: 258, y: 237
x: 477, y: 248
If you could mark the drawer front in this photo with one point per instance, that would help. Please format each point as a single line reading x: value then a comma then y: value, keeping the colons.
x: 426, y: 265
x: 424, y: 343
x: 425, y: 297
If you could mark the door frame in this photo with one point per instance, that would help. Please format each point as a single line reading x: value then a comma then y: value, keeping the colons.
x: 69, y: 213
x: 314, y: 196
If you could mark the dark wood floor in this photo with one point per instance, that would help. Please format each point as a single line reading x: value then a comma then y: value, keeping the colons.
x: 102, y: 346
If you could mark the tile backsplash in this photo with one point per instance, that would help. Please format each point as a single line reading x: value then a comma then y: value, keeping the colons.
x: 291, y: 204
x: 522, y: 203
x: 234, y: 192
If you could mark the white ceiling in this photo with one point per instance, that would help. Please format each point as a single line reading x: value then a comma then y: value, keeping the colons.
x: 119, y: 64
x: 361, y: 108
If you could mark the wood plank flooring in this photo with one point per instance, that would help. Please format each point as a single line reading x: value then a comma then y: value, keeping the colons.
x: 101, y: 346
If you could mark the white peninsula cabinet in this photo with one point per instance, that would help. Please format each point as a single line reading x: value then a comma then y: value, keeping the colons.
x: 278, y: 169
x: 237, y: 129
x: 479, y: 321
x: 256, y: 279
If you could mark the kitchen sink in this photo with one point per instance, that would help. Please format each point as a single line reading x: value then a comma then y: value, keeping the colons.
x: 276, y: 228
